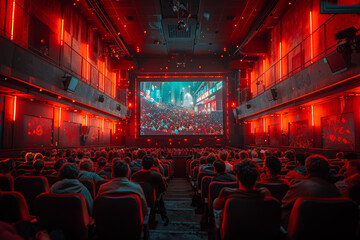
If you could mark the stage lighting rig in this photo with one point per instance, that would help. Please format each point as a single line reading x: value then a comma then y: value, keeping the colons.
x: 183, y: 13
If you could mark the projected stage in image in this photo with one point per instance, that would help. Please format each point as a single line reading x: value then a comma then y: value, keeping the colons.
x: 181, y: 108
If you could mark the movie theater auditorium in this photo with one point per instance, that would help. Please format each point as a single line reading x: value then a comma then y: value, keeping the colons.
x: 179, y: 119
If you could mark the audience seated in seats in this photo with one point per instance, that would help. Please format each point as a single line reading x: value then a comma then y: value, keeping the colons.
x: 316, y: 185
x: 7, y: 167
x: 290, y: 156
x: 79, y: 156
x: 247, y: 173
x: 223, y: 157
x: 300, y: 171
x: 86, y: 166
x: 120, y: 184
x: 29, y: 159
x: 221, y: 174
x: 101, y: 163
x: 136, y: 164
x: 196, y: 160
x: 353, y: 177
x: 208, y: 167
x: 69, y: 183
x: 157, y: 165
x: 272, y: 169
x: 243, y: 155
x: 58, y: 164
x: 255, y: 156
x: 38, y: 166
x: 154, y: 178
x: 349, y: 156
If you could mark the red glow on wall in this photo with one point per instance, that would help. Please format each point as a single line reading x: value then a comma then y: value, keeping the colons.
x: 86, y: 120
x: 62, y: 33
x: 250, y: 84
x: 14, y: 113
x: 59, y: 117
x: 281, y: 122
x: 114, y: 127
x: 130, y: 104
x: 252, y: 127
x: 149, y: 140
x: 12, y: 21
x: 137, y: 49
x: 311, y: 38
x: 233, y: 104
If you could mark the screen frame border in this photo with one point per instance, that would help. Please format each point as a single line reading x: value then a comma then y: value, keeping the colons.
x: 175, y: 78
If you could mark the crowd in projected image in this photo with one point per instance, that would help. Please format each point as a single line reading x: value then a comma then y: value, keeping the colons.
x: 181, y: 108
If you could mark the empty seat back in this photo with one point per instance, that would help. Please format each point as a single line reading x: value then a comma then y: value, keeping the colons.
x: 118, y: 216
x: 89, y: 184
x: 215, y: 188
x: 30, y: 187
x: 251, y: 219
x: 149, y: 192
x: 6, y: 183
x: 323, y: 218
x: 277, y: 190
x: 13, y: 207
x: 65, y: 211
x: 98, y: 184
x: 200, y: 177
x: 52, y: 179
x: 205, y: 187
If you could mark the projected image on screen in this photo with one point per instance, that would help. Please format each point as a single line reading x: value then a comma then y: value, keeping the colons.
x: 181, y: 108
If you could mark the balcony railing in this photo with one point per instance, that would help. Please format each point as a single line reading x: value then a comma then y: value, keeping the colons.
x: 311, y: 49
x: 65, y: 57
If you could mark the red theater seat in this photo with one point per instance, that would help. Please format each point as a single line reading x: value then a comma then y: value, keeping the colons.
x: 251, y: 219
x: 6, y: 183
x: 323, y: 218
x: 90, y: 185
x: 99, y: 183
x: 30, y: 187
x: 119, y: 217
x: 13, y: 207
x: 214, y: 191
x: 65, y: 211
x: 277, y: 190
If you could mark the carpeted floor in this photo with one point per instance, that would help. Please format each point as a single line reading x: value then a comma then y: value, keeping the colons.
x: 184, y: 223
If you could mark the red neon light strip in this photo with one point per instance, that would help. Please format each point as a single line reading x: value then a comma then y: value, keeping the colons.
x: 312, y: 116
x: 103, y: 78
x: 59, y: 117
x: 264, y: 122
x: 114, y: 127
x: 14, y: 113
x: 12, y: 21
x: 86, y: 120
x: 62, y: 33
x: 280, y: 62
x: 281, y: 122
x: 251, y: 127
x: 227, y: 107
x: 135, y: 122
x: 264, y: 80
x: 103, y: 125
x: 180, y: 76
x: 251, y: 79
x: 311, y: 38
x: 87, y: 62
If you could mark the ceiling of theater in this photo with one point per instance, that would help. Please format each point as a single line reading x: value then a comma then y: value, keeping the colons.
x: 213, y: 27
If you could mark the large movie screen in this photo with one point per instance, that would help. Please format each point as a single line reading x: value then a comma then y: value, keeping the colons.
x: 181, y: 108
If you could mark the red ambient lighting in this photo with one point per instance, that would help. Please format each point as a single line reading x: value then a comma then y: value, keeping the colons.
x: 62, y: 33
x: 12, y: 21
x: 14, y: 113
x: 233, y: 104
